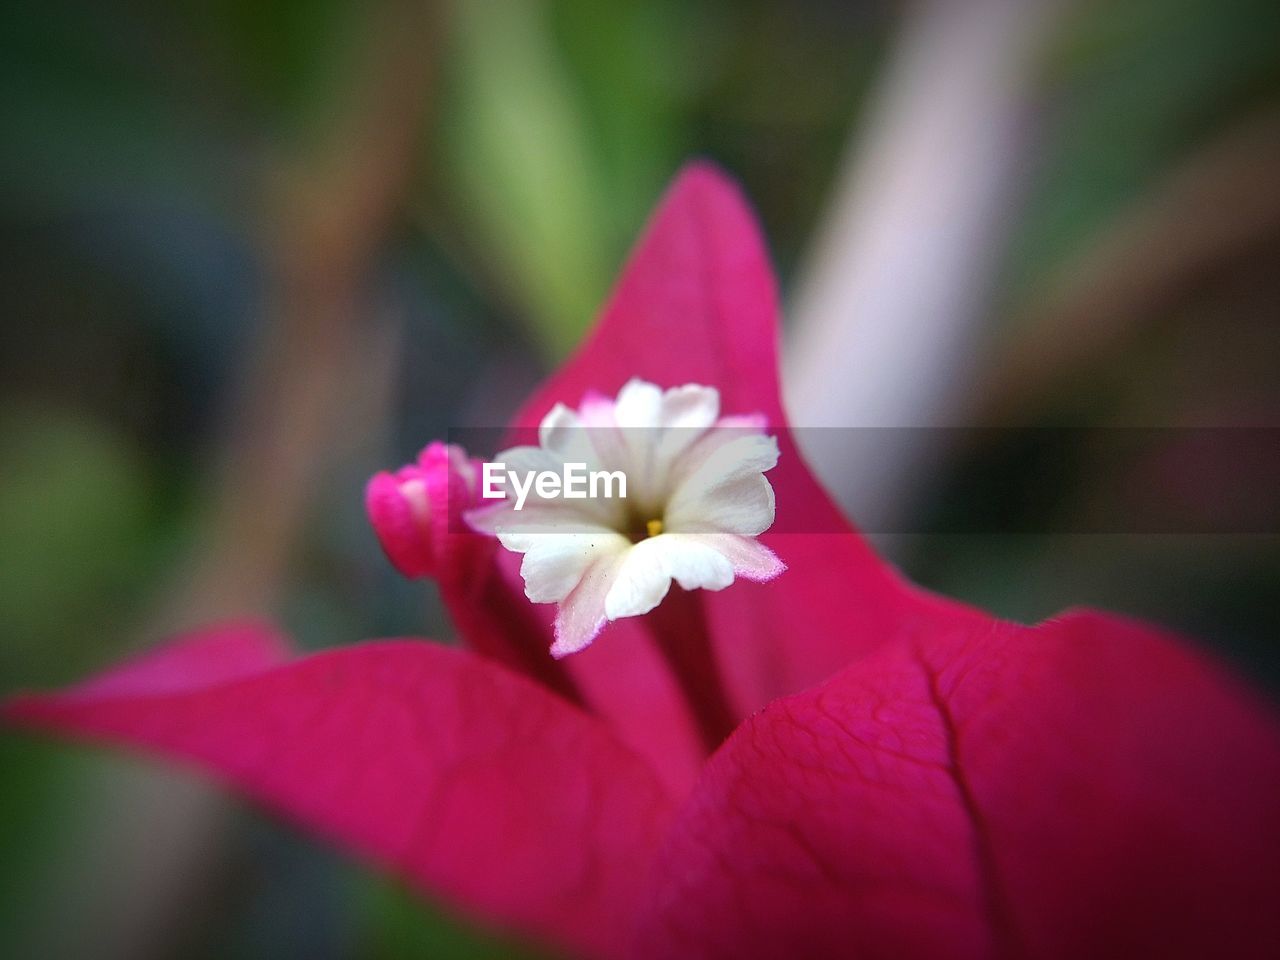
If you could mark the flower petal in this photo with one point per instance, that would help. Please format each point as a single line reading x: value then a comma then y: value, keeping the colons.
x: 690, y: 407
x: 650, y: 565
x: 554, y: 564
x: 751, y: 559
x: 563, y: 435
x: 727, y: 492
x: 638, y: 586
x: 639, y: 405
x: 409, y: 754
x: 581, y: 615
x: 687, y: 413
x: 1088, y: 787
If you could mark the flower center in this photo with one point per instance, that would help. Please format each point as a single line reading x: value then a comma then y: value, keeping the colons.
x: 641, y: 529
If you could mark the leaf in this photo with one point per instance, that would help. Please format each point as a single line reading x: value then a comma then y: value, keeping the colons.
x: 76, y: 523
x: 518, y: 155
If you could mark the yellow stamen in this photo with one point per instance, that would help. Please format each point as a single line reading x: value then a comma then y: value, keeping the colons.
x: 653, y: 527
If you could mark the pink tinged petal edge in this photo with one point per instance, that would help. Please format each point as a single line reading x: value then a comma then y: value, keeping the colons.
x: 697, y: 303
x: 751, y: 559
x: 411, y: 755
x: 1088, y: 787
x: 581, y: 615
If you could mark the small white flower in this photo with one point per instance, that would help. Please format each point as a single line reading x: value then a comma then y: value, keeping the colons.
x: 696, y: 500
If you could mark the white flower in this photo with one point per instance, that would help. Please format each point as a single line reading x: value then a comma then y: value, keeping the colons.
x: 696, y: 500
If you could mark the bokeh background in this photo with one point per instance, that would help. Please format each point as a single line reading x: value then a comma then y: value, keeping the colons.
x: 255, y: 251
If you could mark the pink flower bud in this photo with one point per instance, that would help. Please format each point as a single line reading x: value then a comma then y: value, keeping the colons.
x: 415, y: 509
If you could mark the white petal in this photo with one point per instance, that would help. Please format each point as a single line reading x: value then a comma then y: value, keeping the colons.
x: 639, y: 405
x: 751, y: 559
x: 527, y: 458
x: 691, y: 407
x: 744, y: 507
x: 725, y: 431
x: 554, y: 564
x: 649, y: 567
x: 544, y: 516
x: 638, y: 414
x: 561, y: 433
x: 639, y: 586
x: 693, y: 564
x: 581, y: 616
x: 688, y: 412
x: 728, y: 457
x: 575, y: 439
x: 522, y: 530
x: 728, y: 492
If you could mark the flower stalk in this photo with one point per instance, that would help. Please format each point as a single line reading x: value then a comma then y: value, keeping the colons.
x: 679, y: 626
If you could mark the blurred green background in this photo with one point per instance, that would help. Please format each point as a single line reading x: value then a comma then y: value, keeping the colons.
x: 255, y: 252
